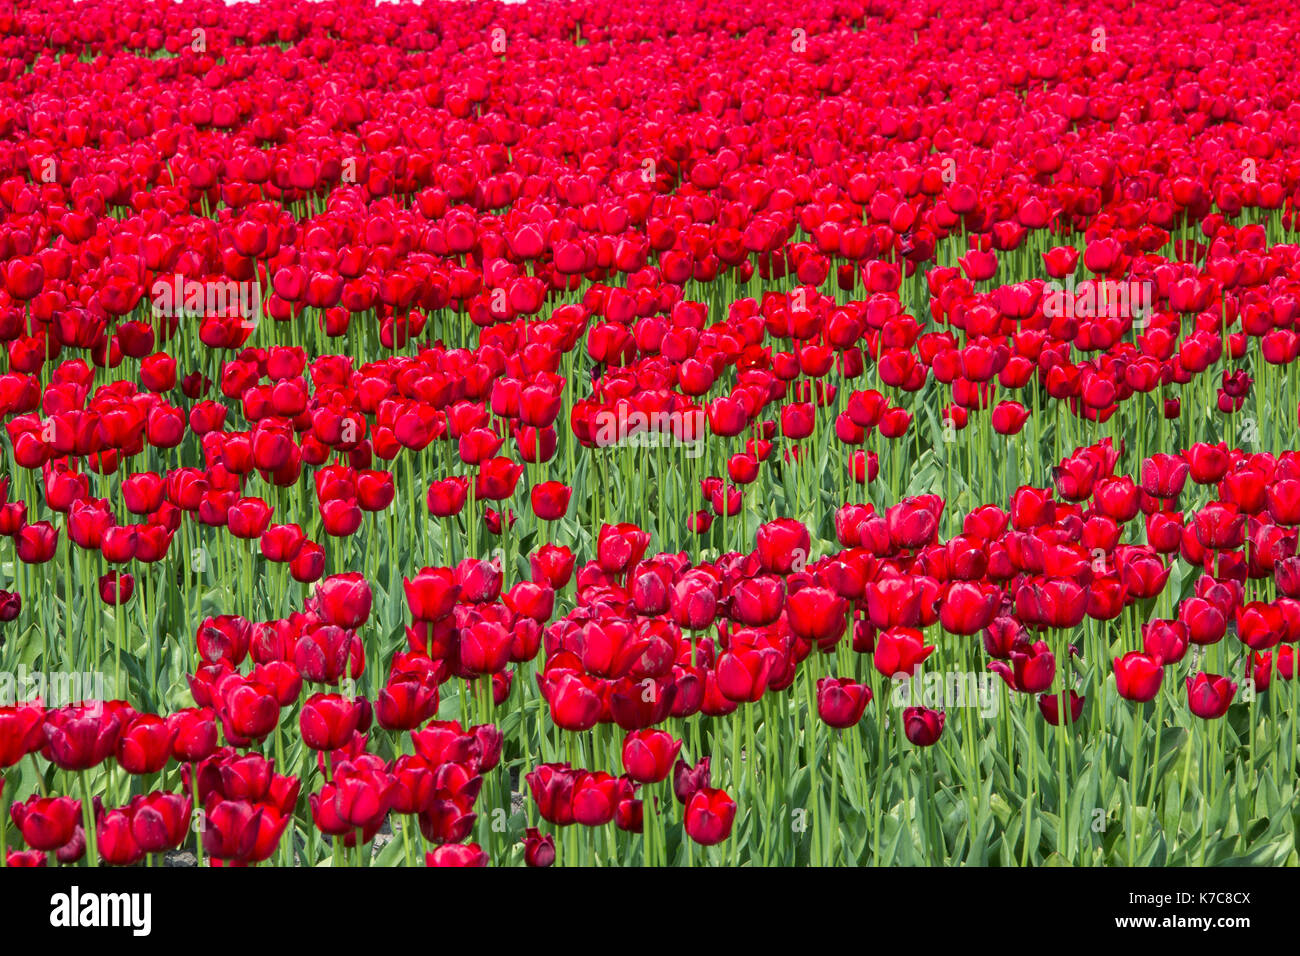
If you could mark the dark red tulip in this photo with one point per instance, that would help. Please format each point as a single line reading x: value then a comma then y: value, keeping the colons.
x: 457, y: 854
x: 431, y: 594
x: 899, y: 650
x: 550, y: 500
x: 328, y: 721
x: 1165, y: 641
x: 539, y: 848
x: 1049, y: 705
x: 841, y: 702
x: 783, y: 545
x: 552, y: 788
x: 1209, y: 696
x: 922, y: 726
x: 46, y: 823
x: 709, y: 816
x: 116, y: 588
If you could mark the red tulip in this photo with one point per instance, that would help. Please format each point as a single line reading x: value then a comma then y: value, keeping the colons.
x: 46, y: 823
x: 328, y: 721
x: 195, y: 734
x: 457, y: 854
x: 596, y: 796
x: 818, y: 615
x: 22, y: 731
x: 248, y: 710
x: 968, y: 608
x: 1009, y: 418
x: 552, y: 788
x: 405, y: 704
x: 709, y: 816
x: 114, y: 839
x: 620, y: 546
x: 116, y: 588
x: 574, y: 703
x: 431, y: 594
x: 282, y: 542
x: 1137, y: 676
x: 539, y: 848
x: 160, y: 821
x: 550, y: 500
x: 1164, y: 641
x: 899, y: 650
x: 496, y: 479
x: 1209, y: 695
x: 447, y: 497
x: 344, y: 600
x: 648, y: 755
x: 308, y: 565
x: 36, y: 543
x: 1032, y: 670
x: 145, y: 744
x: 841, y: 702
x: 1049, y: 705
x: 922, y: 726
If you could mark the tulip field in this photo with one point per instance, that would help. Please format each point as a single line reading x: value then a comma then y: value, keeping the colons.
x: 654, y: 433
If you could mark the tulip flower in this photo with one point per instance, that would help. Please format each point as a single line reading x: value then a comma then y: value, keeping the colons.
x: 1209, y: 695
x: 841, y: 702
x: 550, y: 500
x: 81, y: 736
x: 1049, y: 705
x: 11, y: 604
x: 116, y: 588
x: 648, y: 755
x: 709, y: 816
x: 539, y: 848
x: 159, y: 821
x: 782, y: 545
x: 328, y: 721
x: 145, y: 744
x: 447, y: 497
x: 899, y: 650
x: 922, y: 726
x: 345, y: 600
x: 1032, y: 669
x: 1137, y: 676
x: 457, y: 854
x: 259, y: 331
x: 46, y: 823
